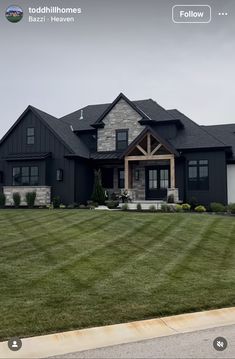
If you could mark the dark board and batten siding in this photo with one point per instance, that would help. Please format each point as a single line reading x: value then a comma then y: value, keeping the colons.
x: 45, y: 141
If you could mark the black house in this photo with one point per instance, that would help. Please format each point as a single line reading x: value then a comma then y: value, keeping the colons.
x: 138, y: 145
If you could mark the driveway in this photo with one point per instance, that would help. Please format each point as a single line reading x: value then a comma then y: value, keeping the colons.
x: 197, y: 344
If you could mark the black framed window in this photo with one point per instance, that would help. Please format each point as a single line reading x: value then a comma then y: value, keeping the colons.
x: 121, y: 139
x: 1, y: 176
x: 121, y: 178
x: 59, y: 175
x: 25, y: 176
x: 198, y: 175
x: 107, y: 177
x: 30, y: 136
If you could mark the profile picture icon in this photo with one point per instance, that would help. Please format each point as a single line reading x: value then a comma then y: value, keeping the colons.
x: 14, y: 13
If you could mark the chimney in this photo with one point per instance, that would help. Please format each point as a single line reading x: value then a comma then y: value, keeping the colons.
x: 81, y: 117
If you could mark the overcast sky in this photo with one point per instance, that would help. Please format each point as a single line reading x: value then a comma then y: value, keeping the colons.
x: 128, y: 46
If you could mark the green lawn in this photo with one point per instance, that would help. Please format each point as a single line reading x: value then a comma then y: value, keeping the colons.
x: 67, y: 269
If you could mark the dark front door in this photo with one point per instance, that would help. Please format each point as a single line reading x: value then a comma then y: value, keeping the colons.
x: 157, y: 181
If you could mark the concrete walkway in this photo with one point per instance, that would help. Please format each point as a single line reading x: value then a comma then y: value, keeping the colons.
x: 92, y: 338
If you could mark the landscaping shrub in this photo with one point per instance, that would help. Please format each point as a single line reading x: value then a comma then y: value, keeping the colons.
x: 72, y: 205
x: 164, y: 207
x: 193, y: 202
x: 30, y: 199
x: 125, y: 207
x: 98, y: 194
x: 200, y: 209
x: 139, y: 207
x: 56, y: 202
x: 167, y: 208
x: 93, y: 204
x: 2, y: 200
x: 170, y: 198
x: 231, y: 208
x: 217, y: 207
x: 62, y: 206
x: 17, y: 199
x: 82, y: 206
x: 186, y: 207
x: 112, y: 204
x: 178, y: 208
x: 152, y: 208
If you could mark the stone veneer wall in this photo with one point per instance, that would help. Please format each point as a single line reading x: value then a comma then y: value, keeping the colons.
x: 43, y: 194
x: 122, y: 116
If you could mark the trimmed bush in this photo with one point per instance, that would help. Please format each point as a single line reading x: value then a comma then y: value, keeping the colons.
x: 2, y: 200
x: 200, y: 209
x: 170, y: 198
x: 178, y: 208
x: 193, y: 202
x: 125, y: 207
x: 82, y: 206
x: 62, y: 206
x: 231, y: 208
x: 217, y: 207
x: 17, y: 199
x: 98, y: 194
x: 152, y: 208
x: 112, y: 204
x: 186, y: 207
x: 30, y: 199
x: 167, y: 208
x: 56, y: 202
x: 139, y: 207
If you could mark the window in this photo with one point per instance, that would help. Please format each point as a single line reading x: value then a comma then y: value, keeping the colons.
x: 198, y: 175
x: 25, y: 176
x: 121, y: 139
x: 1, y: 176
x: 121, y: 178
x: 164, y: 178
x: 137, y: 174
x: 59, y: 175
x: 107, y: 177
x: 30, y: 136
x: 153, y: 179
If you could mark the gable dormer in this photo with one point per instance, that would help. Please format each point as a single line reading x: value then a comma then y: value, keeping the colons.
x: 119, y: 125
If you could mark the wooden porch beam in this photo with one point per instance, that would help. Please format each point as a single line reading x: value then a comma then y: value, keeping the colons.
x: 172, y: 171
x: 126, y: 171
x: 149, y: 157
x: 148, y: 143
x: 141, y: 149
x: 156, y: 148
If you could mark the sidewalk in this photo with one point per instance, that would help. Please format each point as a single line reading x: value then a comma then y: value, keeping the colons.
x: 85, y: 339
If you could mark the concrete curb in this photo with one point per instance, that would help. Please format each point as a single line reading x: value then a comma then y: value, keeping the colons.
x: 84, y: 339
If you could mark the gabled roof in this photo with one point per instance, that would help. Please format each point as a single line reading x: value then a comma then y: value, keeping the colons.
x: 65, y: 133
x: 152, y: 110
x: 60, y: 129
x: 99, y: 121
x: 161, y: 140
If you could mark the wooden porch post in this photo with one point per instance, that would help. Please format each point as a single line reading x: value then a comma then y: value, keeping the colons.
x: 172, y: 165
x: 126, y: 170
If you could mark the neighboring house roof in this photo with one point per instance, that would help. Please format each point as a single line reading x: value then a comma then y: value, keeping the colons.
x: 225, y: 133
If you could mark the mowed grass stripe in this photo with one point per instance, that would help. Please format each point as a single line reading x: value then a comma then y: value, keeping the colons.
x: 80, y: 268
